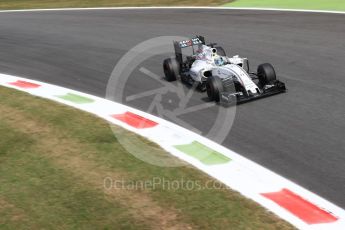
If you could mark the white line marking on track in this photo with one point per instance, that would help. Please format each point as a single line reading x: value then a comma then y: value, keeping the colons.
x: 178, y: 7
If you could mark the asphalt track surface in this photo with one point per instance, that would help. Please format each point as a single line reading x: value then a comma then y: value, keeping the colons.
x: 300, y: 134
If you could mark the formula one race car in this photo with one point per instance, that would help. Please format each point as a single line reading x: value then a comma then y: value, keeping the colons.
x: 225, y: 79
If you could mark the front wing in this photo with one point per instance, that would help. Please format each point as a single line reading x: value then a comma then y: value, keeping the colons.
x: 229, y: 98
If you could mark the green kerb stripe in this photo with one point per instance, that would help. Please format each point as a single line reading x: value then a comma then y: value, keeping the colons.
x: 203, y: 153
x: 76, y: 98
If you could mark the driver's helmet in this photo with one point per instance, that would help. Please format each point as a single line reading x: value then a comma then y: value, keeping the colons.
x: 219, y: 61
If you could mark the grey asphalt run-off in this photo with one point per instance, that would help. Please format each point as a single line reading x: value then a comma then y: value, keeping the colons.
x: 300, y: 134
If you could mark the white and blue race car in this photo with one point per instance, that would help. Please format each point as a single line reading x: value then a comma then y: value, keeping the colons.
x: 226, y: 79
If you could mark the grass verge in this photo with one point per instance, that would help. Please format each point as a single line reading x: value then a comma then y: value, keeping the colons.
x: 53, y: 163
x: 38, y: 4
x: 338, y: 5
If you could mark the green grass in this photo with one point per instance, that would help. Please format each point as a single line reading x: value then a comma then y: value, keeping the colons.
x: 338, y: 5
x: 36, y: 4
x: 291, y: 4
x: 54, y: 159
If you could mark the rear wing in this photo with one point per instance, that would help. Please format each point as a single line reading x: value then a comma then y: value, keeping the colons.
x: 179, y: 45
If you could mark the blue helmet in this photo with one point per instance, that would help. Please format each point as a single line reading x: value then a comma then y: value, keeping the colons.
x: 219, y: 61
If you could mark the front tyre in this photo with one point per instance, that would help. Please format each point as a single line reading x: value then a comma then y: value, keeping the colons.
x: 266, y: 74
x: 214, y: 87
x: 171, y: 69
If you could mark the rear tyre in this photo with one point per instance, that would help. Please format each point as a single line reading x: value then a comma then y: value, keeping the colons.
x: 171, y: 69
x: 214, y: 87
x: 220, y: 51
x: 266, y: 74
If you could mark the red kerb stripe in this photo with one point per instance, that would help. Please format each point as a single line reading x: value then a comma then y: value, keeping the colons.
x: 303, y: 209
x: 24, y: 84
x: 135, y: 120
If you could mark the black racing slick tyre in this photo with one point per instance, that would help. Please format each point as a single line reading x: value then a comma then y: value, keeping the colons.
x: 266, y: 74
x: 214, y: 87
x: 220, y: 51
x: 171, y: 69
